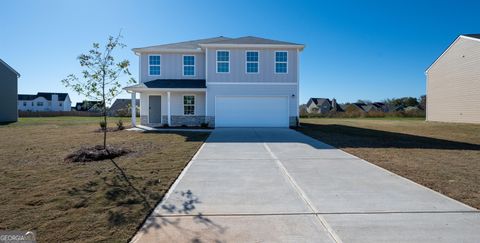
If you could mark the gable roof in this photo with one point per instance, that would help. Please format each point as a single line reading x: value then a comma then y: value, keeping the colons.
x: 8, y: 66
x: 476, y: 37
x: 196, y: 45
x: 47, y: 96
x: 252, y: 40
x: 184, y: 45
x: 317, y: 101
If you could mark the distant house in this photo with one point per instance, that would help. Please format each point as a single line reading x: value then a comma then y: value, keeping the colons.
x: 453, y: 82
x: 8, y: 99
x: 122, y: 107
x: 375, y: 106
x: 355, y: 107
x: 44, y: 101
x: 322, y: 105
x: 88, y: 105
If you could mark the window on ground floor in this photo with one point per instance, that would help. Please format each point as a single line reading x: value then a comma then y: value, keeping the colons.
x: 39, y: 103
x: 189, y: 105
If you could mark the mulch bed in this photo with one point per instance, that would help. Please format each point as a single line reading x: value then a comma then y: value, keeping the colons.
x: 96, y: 153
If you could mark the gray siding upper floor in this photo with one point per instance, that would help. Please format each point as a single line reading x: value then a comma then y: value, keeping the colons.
x: 8, y: 98
x: 238, y: 66
x: 171, y: 66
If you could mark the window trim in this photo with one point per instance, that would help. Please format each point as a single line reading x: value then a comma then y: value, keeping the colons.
x: 216, y: 62
x: 246, y: 62
x: 194, y: 104
x: 275, y: 62
x: 194, y: 66
x: 160, y: 66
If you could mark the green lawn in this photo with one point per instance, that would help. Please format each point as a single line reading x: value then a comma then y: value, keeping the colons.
x: 84, y: 202
x: 442, y: 156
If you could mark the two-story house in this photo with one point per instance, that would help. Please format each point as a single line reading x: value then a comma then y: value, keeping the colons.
x: 225, y: 82
x: 44, y: 101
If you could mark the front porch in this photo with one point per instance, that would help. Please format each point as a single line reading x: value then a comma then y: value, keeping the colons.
x: 171, y: 102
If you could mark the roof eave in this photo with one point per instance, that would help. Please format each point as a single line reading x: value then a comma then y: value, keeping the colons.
x: 139, y: 51
x: 146, y: 89
x: 9, y: 67
x: 273, y: 46
x: 448, y: 48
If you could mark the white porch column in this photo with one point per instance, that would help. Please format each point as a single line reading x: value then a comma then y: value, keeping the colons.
x: 134, y: 109
x: 168, y: 109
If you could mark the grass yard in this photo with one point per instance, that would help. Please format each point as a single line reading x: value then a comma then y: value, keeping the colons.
x: 442, y: 156
x: 84, y: 202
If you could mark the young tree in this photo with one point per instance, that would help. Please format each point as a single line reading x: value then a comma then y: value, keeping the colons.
x: 101, y: 79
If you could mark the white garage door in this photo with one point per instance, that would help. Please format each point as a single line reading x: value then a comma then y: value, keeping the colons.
x: 251, y: 111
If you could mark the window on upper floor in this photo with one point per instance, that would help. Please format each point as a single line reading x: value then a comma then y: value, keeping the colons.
x: 154, y: 65
x: 223, y: 61
x: 251, y: 61
x: 189, y: 105
x: 281, y: 62
x: 60, y: 104
x: 188, y: 65
x: 24, y: 103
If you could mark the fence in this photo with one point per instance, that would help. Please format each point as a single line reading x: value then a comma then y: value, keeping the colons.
x: 56, y: 113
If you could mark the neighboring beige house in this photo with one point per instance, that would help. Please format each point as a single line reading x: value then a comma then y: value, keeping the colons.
x: 453, y: 82
x: 8, y: 98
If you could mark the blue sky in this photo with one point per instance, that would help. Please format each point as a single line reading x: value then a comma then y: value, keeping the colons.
x: 354, y: 49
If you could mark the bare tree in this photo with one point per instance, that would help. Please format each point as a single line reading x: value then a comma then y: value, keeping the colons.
x: 102, y: 77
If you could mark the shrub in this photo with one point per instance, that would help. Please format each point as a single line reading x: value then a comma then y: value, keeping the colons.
x: 204, y: 125
x: 120, y: 125
x: 165, y: 125
x: 103, y: 125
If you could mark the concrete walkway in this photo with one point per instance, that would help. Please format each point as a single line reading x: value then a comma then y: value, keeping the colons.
x: 277, y: 185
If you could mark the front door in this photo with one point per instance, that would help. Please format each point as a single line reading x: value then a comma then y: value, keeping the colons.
x: 154, y: 109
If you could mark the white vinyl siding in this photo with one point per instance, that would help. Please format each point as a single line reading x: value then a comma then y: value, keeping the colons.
x: 453, y: 87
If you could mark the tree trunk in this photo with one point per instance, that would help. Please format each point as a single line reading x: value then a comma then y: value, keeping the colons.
x: 104, y: 113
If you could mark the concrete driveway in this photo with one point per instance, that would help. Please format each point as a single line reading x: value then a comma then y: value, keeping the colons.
x: 278, y: 185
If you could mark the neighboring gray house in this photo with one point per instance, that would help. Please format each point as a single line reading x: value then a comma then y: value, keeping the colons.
x: 322, y: 105
x: 225, y: 82
x: 8, y: 99
x: 88, y: 105
x: 453, y: 82
x: 122, y: 107
x: 44, y: 101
